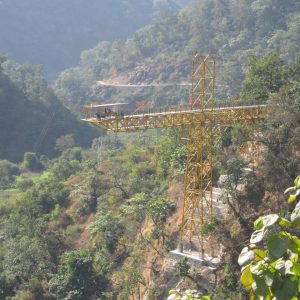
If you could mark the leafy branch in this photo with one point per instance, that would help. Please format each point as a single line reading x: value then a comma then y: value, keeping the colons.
x: 270, y: 264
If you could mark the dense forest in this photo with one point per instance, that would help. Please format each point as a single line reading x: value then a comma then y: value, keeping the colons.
x: 98, y: 223
x: 91, y: 215
x: 32, y: 118
x: 234, y: 31
x: 53, y: 33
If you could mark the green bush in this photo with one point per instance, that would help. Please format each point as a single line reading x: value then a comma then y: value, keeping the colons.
x: 270, y: 264
x: 46, y: 194
x: 8, y: 172
x: 31, y: 162
x: 24, y: 184
x: 77, y: 277
x: 64, y: 168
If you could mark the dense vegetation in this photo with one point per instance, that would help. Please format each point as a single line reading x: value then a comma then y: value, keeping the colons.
x: 79, y: 222
x: 161, y: 52
x: 278, y: 166
x: 55, y: 32
x: 270, y: 264
x: 32, y: 118
x: 98, y: 224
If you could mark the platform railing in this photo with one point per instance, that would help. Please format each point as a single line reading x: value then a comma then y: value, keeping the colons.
x: 218, y: 104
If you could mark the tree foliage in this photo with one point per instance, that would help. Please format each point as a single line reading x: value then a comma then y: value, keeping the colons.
x: 33, y: 118
x: 265, y: 76
x: 77, y: 277
x: 31, y: 162
x: 110, y: 228
x: 233, y: 30
x: 61, y: 35
x: 8, y: 172
x: 271, y: 262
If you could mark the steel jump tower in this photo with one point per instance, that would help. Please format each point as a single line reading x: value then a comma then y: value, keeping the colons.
x: 204, y: 122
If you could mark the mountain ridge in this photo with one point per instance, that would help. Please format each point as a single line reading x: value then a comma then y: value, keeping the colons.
x: 34, y: 118
x: 161, y: 52
x: 54, y: 32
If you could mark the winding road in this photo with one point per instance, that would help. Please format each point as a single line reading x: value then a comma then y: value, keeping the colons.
x: 129, y: 85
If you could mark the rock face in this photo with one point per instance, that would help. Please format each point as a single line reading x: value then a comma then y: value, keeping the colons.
x: 169, y: 280
x: 202, y: 269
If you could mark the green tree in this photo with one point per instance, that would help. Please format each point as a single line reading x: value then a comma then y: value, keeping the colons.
x: 109, y: 227
x: 135, y: 208
x: 281, y: 137
x: 31, y: 162
x: 265, y: 75
x: 232, y: 195
x: 27, y: 258
x: 271, y: 267
x: 43, y: 197
x: 159, y: 209
x: 24, y: 184
x: 28, y: 99
x: 8, y: 172
x: 163, y: 154
x: 72, y: 154
x: 63, y: 168
x: 77, y: 277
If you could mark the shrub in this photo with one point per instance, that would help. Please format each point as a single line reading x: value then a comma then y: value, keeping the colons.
x: 270, y: 264
x: 8, y: 172
x: 31, y: 162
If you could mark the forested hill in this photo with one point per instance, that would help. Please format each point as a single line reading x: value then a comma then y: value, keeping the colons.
x: 31, y: 116
x: 53, y: 32
x: 99, y: 223
x: 233, y: 30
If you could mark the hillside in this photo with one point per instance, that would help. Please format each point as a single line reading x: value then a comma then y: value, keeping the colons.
x: 31, y: 117
x: 99, y: 223
x: 160, y: 53
x: 53, y: 33
x: 100, y: 216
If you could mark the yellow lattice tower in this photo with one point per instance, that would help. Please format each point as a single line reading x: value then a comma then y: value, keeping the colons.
x: 204, y: 122
x: 197, y: 208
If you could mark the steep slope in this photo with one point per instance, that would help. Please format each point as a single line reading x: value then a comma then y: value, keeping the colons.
x: 161, y: 52
x: 99, y: 223
x: 54, y: 32
x: 31, y: 116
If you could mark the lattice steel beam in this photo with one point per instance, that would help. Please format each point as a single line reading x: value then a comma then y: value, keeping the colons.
x: 204, y: 122
x: 225, y: 116
x: 197, y: 209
